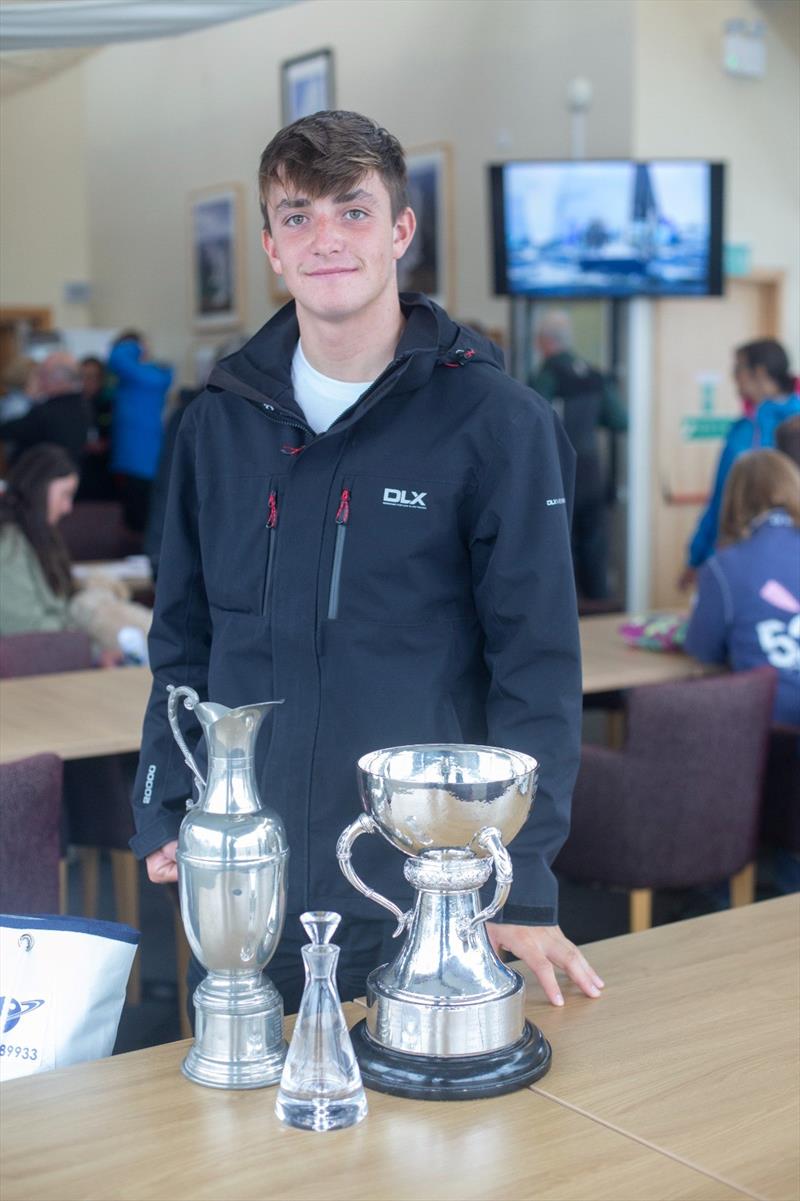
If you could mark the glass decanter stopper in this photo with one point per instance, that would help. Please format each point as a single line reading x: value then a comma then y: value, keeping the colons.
x: 321, y: 1085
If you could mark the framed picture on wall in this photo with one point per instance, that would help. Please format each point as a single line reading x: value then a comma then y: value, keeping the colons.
x: 428, y: 265
x: 217, y: 266
x: 306, y: 85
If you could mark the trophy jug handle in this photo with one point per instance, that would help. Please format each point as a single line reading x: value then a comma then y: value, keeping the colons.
x: 190, y: 699
x: 366, y: 825
x: 489, y: 839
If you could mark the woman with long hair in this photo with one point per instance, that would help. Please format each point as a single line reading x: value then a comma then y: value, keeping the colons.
x: 747, y: 612
x: 37, y: 593
x: 762, y: 374
x: 35, y: 578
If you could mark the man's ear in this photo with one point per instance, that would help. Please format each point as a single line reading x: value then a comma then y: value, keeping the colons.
x: 268, y: 242
x: 404, y: 226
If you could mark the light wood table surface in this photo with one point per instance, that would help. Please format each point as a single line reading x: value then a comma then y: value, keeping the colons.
x: 610, y: 664
x: 74, y: 714
x: 133, y: 1127
x: 681, y: 1082
x: 83, y: 713
x: 694, y: 1047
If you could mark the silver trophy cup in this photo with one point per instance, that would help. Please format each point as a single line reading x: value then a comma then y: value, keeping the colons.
x: 446, y: 1019
x: 232, y: 859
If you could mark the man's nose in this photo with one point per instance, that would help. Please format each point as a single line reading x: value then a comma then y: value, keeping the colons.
x: 327, y: 237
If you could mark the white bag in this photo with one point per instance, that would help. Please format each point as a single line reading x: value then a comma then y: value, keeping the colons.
x: 62, y: 988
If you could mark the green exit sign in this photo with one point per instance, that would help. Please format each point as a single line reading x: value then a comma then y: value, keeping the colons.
x: 694, y: 428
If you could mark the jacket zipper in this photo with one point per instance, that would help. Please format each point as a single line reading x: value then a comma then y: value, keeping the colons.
x: 272, y: 522
x: 342, y: 518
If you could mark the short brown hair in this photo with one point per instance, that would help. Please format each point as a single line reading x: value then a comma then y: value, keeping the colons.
x: 328, y: 153
x: 759, y: 481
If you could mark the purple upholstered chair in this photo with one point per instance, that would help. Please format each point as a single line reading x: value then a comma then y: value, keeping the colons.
x: 40, y: 653
x: 679, y: 806
x: 30, y: 846
x: 95, y: 530
x: 96, y: 791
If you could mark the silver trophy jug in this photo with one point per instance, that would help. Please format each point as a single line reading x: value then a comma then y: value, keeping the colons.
x: 232, y: 861
x: 446, y: 1019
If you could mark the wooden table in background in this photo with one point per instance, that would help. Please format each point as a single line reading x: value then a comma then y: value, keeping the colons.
x: 74, y: 714
x: 679, y: 1084
x: 83, y: 713
x: 610, y: 664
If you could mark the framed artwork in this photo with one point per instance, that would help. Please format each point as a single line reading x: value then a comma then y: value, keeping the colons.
x: 428, y: 264
x: 306, y: 85
x: 217, y: 266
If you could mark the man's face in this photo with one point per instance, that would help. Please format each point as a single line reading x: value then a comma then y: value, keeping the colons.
x: 337, y: 254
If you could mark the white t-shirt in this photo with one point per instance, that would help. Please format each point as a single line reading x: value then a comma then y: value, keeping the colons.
x: 321, y: 398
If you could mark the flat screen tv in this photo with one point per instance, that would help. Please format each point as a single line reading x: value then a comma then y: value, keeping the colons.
x: 612, y: 228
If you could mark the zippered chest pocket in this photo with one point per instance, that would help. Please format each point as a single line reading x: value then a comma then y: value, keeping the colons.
x: 239, y: 533
x: 399, y: 553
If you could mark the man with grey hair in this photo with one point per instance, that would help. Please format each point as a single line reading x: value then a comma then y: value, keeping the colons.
x: 60, y: 414
x: 585, y: 399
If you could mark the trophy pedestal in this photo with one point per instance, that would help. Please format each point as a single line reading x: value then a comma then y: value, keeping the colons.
x: 453, y: 1078
x: 239, y: 1033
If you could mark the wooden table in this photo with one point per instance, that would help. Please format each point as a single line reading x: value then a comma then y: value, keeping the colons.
x: 610, y: 664
x: 676, y: 1085
x: 83, y: 713
x: 74, y: 714
x: 135, y: 571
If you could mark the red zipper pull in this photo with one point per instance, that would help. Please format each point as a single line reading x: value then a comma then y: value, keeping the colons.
x: 343, y: 512
x: 272, y: 515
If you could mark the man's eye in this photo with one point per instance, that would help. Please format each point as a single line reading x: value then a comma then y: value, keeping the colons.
x: 355, y: 214
x: 295, y: 219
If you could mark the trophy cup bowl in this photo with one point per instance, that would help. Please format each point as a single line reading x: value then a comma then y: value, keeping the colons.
x: 445, y: 1019
x: 438, y: 797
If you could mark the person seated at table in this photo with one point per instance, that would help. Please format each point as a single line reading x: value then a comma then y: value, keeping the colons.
x: 747, y: 612
x: 37, y: 592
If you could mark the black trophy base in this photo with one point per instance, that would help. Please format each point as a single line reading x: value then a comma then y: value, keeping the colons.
x: 457, y: 1078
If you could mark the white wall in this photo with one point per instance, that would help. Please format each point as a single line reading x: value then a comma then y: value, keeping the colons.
x: 687, y: 105
x: 43, y: 212
x: 487, y: 76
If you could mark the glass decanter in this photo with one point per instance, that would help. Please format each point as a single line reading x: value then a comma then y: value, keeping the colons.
x: 321, y: 1085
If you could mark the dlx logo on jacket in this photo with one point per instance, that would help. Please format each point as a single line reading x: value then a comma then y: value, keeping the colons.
x: 399, y: 496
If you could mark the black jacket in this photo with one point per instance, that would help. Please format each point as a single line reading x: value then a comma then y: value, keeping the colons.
x: 403, y: 577
x: 63, y: 420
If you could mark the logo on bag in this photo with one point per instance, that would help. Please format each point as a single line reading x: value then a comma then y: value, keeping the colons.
x: 399, y: 496
x: 16, y: 1010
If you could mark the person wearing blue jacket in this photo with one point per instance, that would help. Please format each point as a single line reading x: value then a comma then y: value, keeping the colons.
x: 370, y: 520
x: 136, y: 425
x: 761, y: 371
x: 747, y: 611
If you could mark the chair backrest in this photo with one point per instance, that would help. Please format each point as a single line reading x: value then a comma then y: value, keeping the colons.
x: 41, y: 653
x: 30, y: 847
x: 95, y: 530
x: 695, y: 755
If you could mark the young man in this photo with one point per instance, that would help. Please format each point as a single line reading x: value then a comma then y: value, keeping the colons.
x: 368, y: 519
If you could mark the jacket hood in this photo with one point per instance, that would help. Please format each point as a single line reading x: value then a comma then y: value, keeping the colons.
x: 261, y: 370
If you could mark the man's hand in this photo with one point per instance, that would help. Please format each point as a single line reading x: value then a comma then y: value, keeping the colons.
x: 542, y: 948
x: 162, y: 867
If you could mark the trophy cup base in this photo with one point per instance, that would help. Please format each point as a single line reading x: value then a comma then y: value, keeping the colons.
x: 452, y: 1078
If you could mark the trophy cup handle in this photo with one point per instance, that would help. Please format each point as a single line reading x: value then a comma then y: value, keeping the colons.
x: 489, y: 838
x: 190, y: 699
x: 366, y: 825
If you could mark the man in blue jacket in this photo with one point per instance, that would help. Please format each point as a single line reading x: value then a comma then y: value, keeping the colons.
x: 369, y: 519
x: 136, y: 423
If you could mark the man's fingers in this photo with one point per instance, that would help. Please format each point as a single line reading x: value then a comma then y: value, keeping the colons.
x: 547, y: 978
x: 567, y: 956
